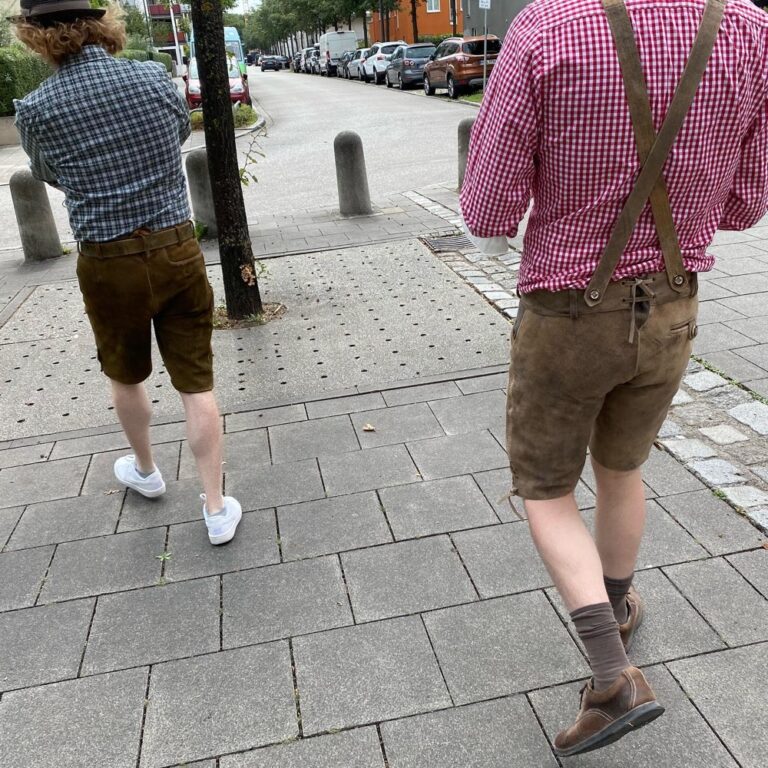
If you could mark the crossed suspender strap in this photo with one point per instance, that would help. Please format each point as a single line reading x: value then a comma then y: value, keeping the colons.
x: 652, y: 149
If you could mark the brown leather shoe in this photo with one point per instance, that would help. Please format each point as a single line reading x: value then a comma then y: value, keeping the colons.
x: 606, y: 716
x: 635, y: 613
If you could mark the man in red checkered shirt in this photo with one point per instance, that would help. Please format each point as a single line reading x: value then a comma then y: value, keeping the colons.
x: 608, y: 310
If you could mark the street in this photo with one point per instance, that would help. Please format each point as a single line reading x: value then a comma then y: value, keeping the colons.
x: 409, y: 140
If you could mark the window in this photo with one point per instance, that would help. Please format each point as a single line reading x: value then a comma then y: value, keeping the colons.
x: 433, y: 6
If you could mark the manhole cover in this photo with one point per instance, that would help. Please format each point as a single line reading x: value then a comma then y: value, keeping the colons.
x: 450, y: 243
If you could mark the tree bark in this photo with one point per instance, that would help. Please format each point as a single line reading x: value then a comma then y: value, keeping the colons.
x: 414, y: 21
x: 241, y: 288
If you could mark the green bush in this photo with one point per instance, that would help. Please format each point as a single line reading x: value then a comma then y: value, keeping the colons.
x: 164, y: 58
x: 20, y: 73
x: 244, y: 116
x: 434, y: 39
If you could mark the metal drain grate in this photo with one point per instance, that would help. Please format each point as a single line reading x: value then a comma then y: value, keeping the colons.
x: 449, y: 243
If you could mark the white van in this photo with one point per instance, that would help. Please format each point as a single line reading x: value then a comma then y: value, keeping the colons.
x: 332, y: 45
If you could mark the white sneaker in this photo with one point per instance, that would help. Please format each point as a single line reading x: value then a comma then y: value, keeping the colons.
x: 127, y: 473
x: 222, y: 525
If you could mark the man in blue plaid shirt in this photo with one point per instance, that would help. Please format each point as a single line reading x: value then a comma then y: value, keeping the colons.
x: 108, y: 132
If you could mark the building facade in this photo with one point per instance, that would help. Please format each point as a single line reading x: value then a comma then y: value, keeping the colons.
x: 433, y: 17
x: 500, y: 16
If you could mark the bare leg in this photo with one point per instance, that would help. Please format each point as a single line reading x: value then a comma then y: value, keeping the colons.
x: 205, y: 441
x: 568, y: 551
x: 134, y: 411
x: 619, y: 519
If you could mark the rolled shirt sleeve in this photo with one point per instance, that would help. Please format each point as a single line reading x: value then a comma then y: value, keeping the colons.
x: 29, y: 143
x: 501, y: 162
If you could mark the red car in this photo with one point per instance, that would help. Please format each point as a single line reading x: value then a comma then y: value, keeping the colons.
x: 238, y: 84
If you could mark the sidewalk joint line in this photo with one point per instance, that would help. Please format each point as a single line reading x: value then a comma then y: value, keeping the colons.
x: 296, y: 694
x: 437, y: 658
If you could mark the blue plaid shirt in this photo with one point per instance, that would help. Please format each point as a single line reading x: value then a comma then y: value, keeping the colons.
x: 108, y: 132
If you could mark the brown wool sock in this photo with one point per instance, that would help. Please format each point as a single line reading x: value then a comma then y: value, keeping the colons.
x: 598, y: 630
x: 617, y: 593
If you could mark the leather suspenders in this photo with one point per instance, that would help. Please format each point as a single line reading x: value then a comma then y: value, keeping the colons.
x: 652, y: 149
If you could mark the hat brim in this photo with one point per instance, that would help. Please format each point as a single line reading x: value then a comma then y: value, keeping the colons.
x: 59, y: 17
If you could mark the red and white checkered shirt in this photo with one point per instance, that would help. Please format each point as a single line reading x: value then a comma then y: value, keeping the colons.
x: 555, y: 125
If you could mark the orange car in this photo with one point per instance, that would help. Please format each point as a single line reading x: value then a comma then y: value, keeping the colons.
x: 457, y: 64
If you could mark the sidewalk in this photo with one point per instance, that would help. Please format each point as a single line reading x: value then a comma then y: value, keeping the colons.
x: 381, y: 605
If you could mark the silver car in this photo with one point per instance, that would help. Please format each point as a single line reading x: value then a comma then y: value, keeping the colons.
x: 355, y: 66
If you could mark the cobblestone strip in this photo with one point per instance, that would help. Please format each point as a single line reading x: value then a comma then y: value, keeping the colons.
x: 716, y: 429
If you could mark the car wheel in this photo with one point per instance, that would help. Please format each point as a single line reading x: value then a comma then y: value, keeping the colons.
x: 453, y: 89
x: 400, y: 83
x: 428, y: 89
x: 364, y: 76
x: 388, y: 81
x: 379, y: 78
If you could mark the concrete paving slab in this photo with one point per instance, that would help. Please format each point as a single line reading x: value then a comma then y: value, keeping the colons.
x: 734, y: 365
x: 332, y: 525
x: 365, y: 674
x: 421, y: 393
x: 309, y: 439
x: 494, y: 734
x: 284, y: 600
x: 358, y: 748
x: 267, y: 417
x: 44, y: 481
x: 101, y: 479
x: 91, y: 721
x: 106, y: 564
x: 727, y: 601
x: 502, y: 559
x: 493, y: 648
x: 223, y: 702
x: 43, y: 645
x: 483, y: 383
x: 177, y: 620
x: 192, y: 555
x: 671, y: 628
x: 681, y: 737
x: 733, y: 702
x: 272, y: 486
x: 21, y: 576
x: 435, y: 506
x: 471, y: 413
x: 82, y: 446
x: 8, y: 519
x: 366, y: 470
x: 350, y: 404
x: 29, y: 454
x: 180, y: 503
x: 53, y: 522
x: 403, y: 578
x: 396, y: 424
x: 496, y: 484
x: 242, y: 450
x: 665, y: 476
x: 457, y: 455
x: 753, y: 566
x: 711, y: 521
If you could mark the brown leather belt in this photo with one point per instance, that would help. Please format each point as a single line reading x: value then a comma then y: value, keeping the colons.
x: 139, y: 242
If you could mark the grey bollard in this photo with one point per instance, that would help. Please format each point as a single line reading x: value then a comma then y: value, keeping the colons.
x: 465, y: 129
x: 39, y: 237
x: 351, y: 176
x: 203, y: 210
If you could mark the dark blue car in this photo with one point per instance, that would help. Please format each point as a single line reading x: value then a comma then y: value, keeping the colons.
x: 406, y: 67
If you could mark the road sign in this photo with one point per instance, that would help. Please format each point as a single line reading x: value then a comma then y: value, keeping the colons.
x: 484, y: 5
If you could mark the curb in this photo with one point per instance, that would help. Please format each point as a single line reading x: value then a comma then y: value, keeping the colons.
x: 257, y: 126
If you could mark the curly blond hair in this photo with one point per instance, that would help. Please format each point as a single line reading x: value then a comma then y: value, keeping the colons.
x: 57, y: 42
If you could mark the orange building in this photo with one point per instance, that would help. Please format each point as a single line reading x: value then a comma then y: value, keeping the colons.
x: 433, y: 17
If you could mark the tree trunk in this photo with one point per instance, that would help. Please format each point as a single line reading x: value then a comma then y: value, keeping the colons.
x: 241, y: 288
x: 365, y: 31
x: 414, y: 21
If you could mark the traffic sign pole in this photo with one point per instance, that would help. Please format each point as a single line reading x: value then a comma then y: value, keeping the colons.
x: 485, y: 5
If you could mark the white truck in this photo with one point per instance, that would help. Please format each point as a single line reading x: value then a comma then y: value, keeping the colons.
x: 332, y: 45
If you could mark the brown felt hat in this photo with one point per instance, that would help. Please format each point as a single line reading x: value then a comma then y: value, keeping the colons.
x: 49, y: 12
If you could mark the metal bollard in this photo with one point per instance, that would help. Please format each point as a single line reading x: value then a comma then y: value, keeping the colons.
x: 465, y: 129
x: 200, y: 193
x: 351, y: 176
x: 39, y: 237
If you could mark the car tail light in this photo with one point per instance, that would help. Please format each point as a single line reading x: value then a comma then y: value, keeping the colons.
x: 379, y: 57
x: 408, y: 62
x: 462, y: 57
x: 327, y: 54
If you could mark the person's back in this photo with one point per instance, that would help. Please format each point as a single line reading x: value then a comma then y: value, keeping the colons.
x: 116, y: 147
x: 586, y: 156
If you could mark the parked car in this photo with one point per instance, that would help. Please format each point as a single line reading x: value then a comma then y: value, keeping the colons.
x: 296, y: 62
x: 406, y: 67
x: 284, y: 60
x: 314, y: 62
x: 355, y: 64
x: 457, y: 64
x: 375, y: 64
x: 270, y: 62
x: 238, y: 84
x: 332, y: 45
x: 306, y: 54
